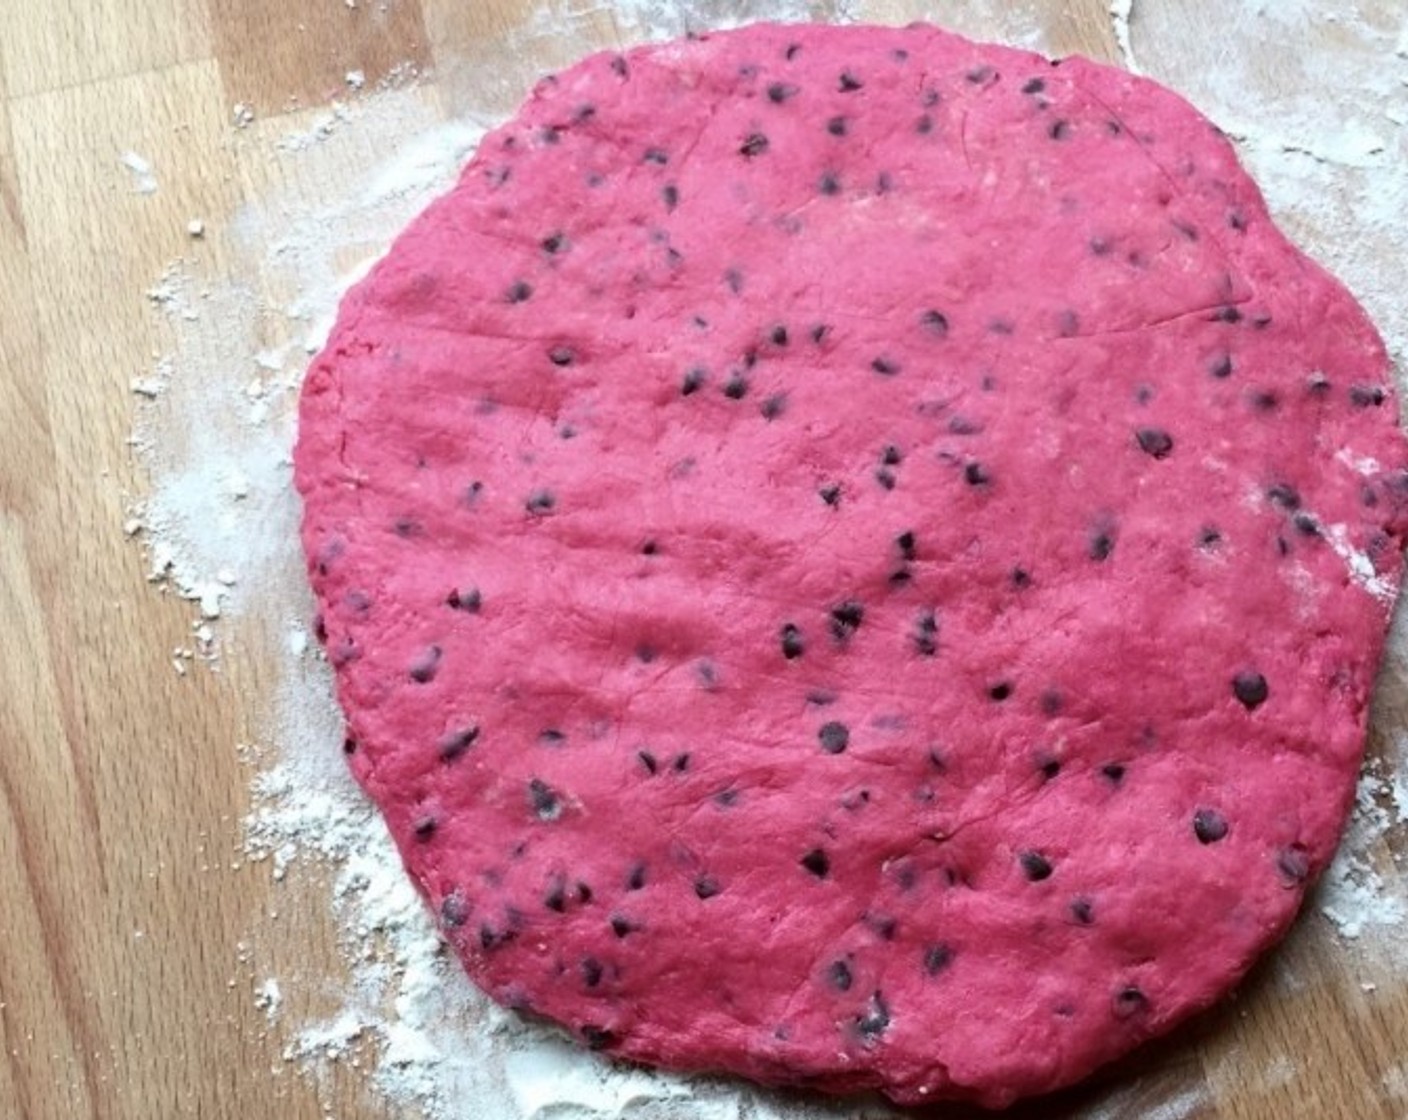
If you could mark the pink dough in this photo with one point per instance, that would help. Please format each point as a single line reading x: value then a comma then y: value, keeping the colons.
x: 855, y: 558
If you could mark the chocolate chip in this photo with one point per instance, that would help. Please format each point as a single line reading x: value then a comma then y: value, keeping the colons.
x: 1020, y: 578
x: 755, y: 145
x: 736, y: 387
x: 554, y: 243
x: 540, y: 502
x: 834, y: 737
x: 1155, y: 442
x: 792, y: 645
x: 837, y: 126
x: 773, y: 406
x: 846, y: 618
x: 454, y: 909
x: 591, y: 972
x: 935, y: 322
x: 875, y: 1020
x: 1114, y: 772
x: 1130, y: 1001
x: 829, y: 183
x: 1034, y: 85
x: 622, y: 926
x: 937, y: 958
x: 830, y: 494
x: 1102, y: 542
x: 839, y: 976
x: 636, y: 879
x: 817, y: 862
x: 519, y: 291
x: 598, y: 1038
x: 544, y: 800
x: 1035, y: 866
x: 779, y: 92
x: 706, y: 887
x: 1000, y: 691
x: 455, y: 743
x: 1059, y: 130
x: 468, y: 600
x: 926, y: 629
x: 670, y: 196
x: 975, y: 474
x: 1250, y: 688
x: 848, y: 83
x: 1294, y: 864
x: 1083, y: 911
x: 693, y: 381
x: 1366, y: 396
x: 1209, y: 826
x: 424, y: 828
x: 882, y: 925
x: 424, y: 668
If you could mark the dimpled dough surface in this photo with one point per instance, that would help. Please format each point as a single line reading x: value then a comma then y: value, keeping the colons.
x: 855, y: 558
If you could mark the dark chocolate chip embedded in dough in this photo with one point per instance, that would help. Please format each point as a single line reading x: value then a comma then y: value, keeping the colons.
x: 848, y: 83
x: 846, y: 618
x: 454, y: 743
x: 937, y: 958
x: 1130, y: 1001
x: 793, y: 645
x: 544, y: 800
x: 1251, y: 689
x: 1154, y: 442
x: 935, y: 322
x: 755, y: 145
x: 839, y: 975
x: 875, y: 1020
x: 926, y: 629
x: 834, y: 737
x: 1035, y: 866
x: 425, y: 667
x: 1209, y: 826
x: 817, y: 862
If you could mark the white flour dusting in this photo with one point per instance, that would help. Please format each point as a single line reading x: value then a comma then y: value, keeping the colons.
x: 140, y: 168
x: 214, y: 428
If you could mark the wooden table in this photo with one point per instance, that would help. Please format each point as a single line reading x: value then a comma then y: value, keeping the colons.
x: 123, y: 990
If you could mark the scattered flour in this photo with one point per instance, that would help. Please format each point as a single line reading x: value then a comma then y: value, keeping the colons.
x: 143, y: 177
x: 214, y: 428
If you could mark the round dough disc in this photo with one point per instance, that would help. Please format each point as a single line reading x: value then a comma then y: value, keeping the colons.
x: 855, y: 558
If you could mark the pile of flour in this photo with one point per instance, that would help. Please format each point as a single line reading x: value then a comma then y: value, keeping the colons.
x: 214, y: 430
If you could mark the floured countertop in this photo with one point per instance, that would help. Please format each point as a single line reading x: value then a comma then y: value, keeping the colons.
x: 199, y: 915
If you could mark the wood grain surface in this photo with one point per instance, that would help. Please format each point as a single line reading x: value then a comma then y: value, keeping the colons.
x: 125, y: 989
